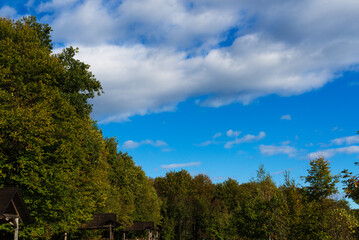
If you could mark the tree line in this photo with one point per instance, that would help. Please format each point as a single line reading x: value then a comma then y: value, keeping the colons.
x: 195, y: 208
x: 67, y: 170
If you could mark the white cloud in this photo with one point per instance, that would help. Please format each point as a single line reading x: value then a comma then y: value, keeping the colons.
x: 247, y: 138
x: 286, y: 117
x: 180, y: 165
x: 270, y: 150
x: 231, y: 133
x: 217, y: 135
x: 54, y: 4
x: 206, y: 143
x: 210, y: 142
x: 327, y: 153
x: 152, y: 54
x: 169, y: 23
x: 8, y: 12
x: 132, y: 144
x: 88, y: 23
x: 157, y: 143
x: 346, y: 140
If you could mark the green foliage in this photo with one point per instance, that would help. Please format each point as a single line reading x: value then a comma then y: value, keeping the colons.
x: 195, y: 208
x: 132, y: 195
x: 321, y: 181
x: 351, y: 183
x: 174, y: 191
x: 43, y: 30
x: 77, y: 84
x: 50, y: 147
x: 258, y: 213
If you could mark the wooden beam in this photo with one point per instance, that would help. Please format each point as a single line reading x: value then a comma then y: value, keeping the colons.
x: 16, y: 231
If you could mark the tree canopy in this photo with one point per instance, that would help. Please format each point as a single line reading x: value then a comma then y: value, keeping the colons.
x: 50, y: 147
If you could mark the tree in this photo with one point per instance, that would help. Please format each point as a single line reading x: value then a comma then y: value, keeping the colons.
x: 291, y: 209
x: 258, y: 216
x: 174, y: 190
x: 132, y: 195
x: 230, y: 194
x: 351, y: 184
x: 77, y: 83
x: 49, y: 145
x: 51, y: 151
x: 321, y: 181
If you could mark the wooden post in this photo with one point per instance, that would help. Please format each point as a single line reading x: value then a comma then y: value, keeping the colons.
x: 16, y: 233
x: 124, y: 236
x: 111, y: 233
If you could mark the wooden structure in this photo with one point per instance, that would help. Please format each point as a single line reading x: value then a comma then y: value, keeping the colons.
x: 108, y: 221
x: 141, y: 226
x: 149, y: 227
x: 102, y: 221
x: 13, y: 209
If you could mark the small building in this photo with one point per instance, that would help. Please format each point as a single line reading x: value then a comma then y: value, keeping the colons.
x: 13, y: 209
x: 148, y: 227
x: 102, y: 221
x: 108, y: 221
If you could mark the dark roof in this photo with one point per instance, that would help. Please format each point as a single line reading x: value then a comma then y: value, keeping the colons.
x: 141, y: 226
x: 100, y: 221
x: 12, y: 204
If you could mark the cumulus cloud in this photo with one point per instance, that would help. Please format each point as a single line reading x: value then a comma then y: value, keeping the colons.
x: 180, y: 165
x: 333, y: 151
x: 152, y: 54
x: 346, y: 140
x: 132, y: 144
x: 286, y: 117
x: 247, y: 138
x: 231, y: 133
x: 270, y: 150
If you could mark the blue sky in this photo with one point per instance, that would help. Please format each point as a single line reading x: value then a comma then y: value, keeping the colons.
x: 218, y: 87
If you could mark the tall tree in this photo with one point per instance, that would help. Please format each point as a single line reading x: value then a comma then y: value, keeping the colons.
x: 132, y: 195
x: 48, y: 148
x: 321, y: 182
x: 174, y: 190
x: 257, y: 216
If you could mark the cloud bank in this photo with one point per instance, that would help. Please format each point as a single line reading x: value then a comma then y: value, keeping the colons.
x: 152, y: 54
x: 271, y: 150
x: 327, y: 153
x: 348, y: 140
